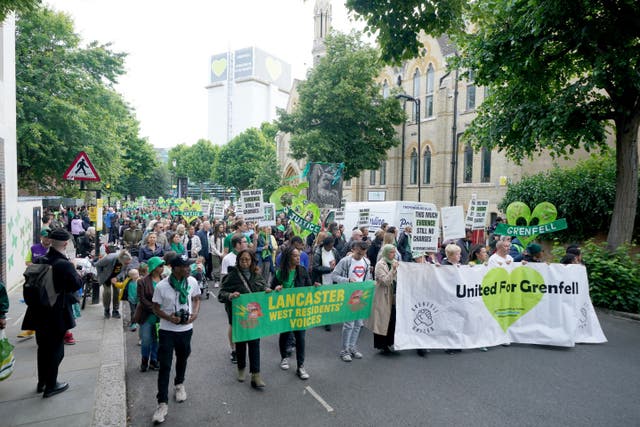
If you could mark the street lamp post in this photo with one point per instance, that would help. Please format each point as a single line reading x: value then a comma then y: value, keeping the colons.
x: 416, y: 101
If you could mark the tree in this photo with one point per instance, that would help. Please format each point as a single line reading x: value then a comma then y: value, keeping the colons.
x: 245, y: 157
x: 341, y: 115
x: 9, y: 6
x: 200, y: 159
x: 66, y: 102
x: 559, y: 73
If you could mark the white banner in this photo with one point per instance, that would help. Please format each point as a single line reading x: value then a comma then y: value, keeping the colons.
x: 424, y: 236
x: 452, y: 223
x: 252, y: 205
x: 269, y: 218
x: 475, y: 306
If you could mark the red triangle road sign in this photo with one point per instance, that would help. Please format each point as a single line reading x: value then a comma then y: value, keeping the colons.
x: 81, y: 169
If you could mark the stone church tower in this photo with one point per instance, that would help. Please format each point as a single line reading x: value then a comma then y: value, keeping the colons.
x: 321, y: 27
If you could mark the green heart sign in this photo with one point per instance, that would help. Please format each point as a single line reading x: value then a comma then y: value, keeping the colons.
x: 289, y: 197
x: 508, y: 297
x: 518, y: 213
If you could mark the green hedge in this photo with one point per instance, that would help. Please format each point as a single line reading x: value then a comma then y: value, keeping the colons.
x: 584, y: 195
x: 614, y: 277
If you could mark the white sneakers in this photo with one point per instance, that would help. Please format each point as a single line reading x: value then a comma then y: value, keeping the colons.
x: 284, y: 364
x: 163, y: 409
x: 302, y: 373
x: 160, y: 413
x: 355, y: 353
x: 345, y: 356
x: 181, y: 393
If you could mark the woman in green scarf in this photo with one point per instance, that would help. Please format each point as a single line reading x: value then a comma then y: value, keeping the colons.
x: 177, y: 246
x: 383, y: 311
x: 291, y: 275
x: 245, y: 278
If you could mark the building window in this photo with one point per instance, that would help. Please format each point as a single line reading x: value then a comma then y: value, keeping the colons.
x: 471, y: 92
x: 372, y: 177
x: 383, y: 173
x: 428, y: 104
x: 468, y: 164
x: 427, y: 166
x: 385, y: 89
x: 486, y: 165
x: 414, y: 167
x: 416, y: 92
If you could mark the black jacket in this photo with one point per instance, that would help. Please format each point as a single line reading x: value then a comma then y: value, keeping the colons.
x: 301, y: 278
x: 66, y: 281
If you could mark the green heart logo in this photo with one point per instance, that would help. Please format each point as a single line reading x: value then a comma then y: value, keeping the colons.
x: 219, y: 66
x: 274, y: 68
x: 508, y: 297
x: 518, y: 213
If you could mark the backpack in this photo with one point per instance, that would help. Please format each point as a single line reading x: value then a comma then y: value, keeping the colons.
x: 38, y: 290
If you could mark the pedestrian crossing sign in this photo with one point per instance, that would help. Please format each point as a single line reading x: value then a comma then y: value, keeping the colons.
x: 81, y: 169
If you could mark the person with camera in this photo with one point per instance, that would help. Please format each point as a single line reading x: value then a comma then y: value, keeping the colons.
x: 176, y: 301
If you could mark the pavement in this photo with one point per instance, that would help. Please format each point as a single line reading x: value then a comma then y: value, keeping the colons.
x: 94, y: 368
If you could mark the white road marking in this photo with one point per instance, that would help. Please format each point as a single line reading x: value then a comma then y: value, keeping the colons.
x: 319, y: 399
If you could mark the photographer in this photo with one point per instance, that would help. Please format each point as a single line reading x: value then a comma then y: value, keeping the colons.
x: 176, y: 302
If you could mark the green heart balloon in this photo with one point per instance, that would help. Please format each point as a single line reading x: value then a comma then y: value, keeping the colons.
x: 543, y: 213
x: 508, y: 297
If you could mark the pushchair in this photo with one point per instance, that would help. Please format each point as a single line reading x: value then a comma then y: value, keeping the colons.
x: 201, y: 278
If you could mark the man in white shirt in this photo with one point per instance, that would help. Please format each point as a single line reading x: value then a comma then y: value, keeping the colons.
x: 176, y: 301
x: 501, y: 257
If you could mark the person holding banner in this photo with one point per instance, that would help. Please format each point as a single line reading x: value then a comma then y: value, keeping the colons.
x: 352, y: 268
x: 382, y: 321
x: 245, y: 278
x: 291, y: 274
x: 501, y: 256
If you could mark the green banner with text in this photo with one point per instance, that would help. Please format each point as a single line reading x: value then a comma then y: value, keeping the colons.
x: 531, y: 230
x: 262, y: 314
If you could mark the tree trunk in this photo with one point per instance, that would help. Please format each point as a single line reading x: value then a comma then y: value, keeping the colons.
x: 624, y: 209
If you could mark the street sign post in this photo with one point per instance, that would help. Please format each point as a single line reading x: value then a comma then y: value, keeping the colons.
x: 81, y: 169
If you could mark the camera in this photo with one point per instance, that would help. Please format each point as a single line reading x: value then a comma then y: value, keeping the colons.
x: 183, y: 315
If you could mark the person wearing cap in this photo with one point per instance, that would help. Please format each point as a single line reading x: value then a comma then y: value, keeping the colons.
x: 533, y: 253
x: 176, y: 301
x: 111, y: 269
x: 51, y: 323
x: 352, y: 268
x: 144, y: 314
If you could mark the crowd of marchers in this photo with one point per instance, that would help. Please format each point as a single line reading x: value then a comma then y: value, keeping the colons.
x: 163, y: 265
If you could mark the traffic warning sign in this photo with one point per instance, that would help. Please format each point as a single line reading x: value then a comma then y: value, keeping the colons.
x: 81, y: 169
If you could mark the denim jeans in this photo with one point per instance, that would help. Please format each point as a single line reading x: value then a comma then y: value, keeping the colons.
x: 350, y: 334
x: 170, y: 341
x: 149, y: 347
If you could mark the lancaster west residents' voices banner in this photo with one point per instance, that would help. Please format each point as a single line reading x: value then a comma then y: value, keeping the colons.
x: 261, y: 314
x: 477, y: 306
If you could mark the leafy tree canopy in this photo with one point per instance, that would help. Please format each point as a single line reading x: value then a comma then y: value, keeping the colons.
x: 341, y: 115
x: 243, y: 161
x: 66, y: 103
x: 558, y: 72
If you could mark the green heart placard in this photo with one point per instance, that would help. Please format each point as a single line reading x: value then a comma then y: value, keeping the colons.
x: 518, y: 213
x: 509, y: 296
x: 219, y: 66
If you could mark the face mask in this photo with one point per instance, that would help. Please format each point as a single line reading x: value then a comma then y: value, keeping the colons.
x: 248, y: 233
